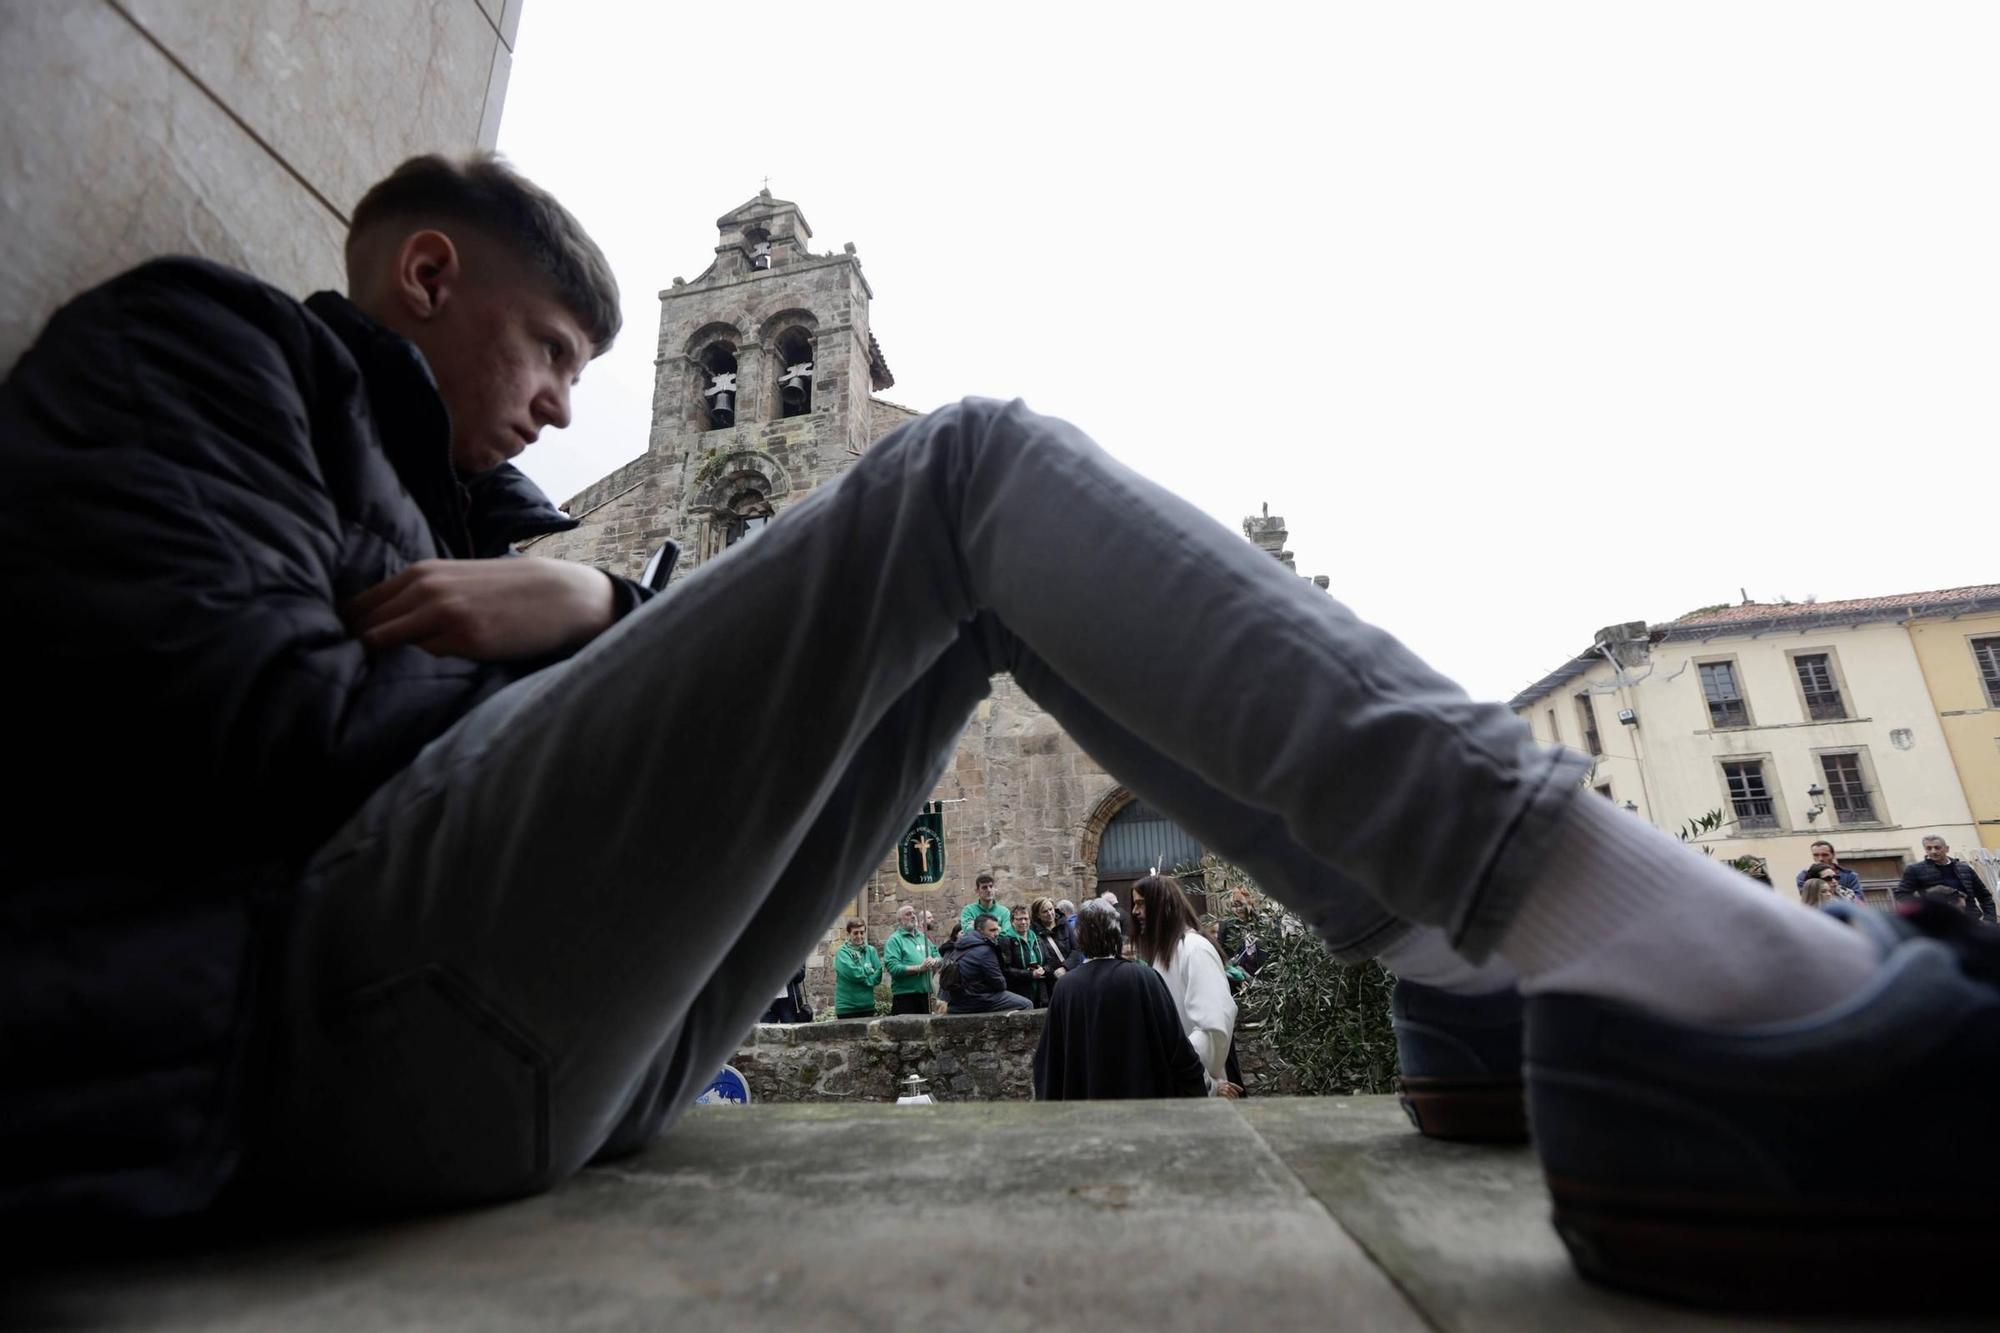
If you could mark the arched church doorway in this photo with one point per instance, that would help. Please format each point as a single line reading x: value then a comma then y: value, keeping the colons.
x: 1138, y: 838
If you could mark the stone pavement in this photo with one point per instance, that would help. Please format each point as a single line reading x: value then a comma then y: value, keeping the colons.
x: 1272, y: 1213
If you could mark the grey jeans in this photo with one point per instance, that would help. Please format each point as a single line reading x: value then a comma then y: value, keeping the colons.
x: 533, y: 946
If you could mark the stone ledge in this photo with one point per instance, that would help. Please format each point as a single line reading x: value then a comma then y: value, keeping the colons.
x: 1324, y: 1213
x: 962, y: 1057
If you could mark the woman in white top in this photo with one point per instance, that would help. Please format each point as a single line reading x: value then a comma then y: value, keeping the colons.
x: 1167, y: 934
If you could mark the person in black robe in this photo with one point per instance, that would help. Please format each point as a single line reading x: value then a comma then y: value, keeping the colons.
x: 1112, y: 1031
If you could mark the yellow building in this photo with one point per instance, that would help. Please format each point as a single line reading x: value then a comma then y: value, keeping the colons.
x: 1860, y: 722
x: 1960, y: 656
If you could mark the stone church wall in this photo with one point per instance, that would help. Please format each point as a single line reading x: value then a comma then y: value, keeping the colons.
x: 1017, y: 794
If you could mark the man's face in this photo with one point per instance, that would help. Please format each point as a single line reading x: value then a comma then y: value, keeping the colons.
x: 907, y: 918
x: 1823, y: 855
x: 989, y: 927
x: 857, y: 936
x: 505, y: 353
x: 1020, y: 922
x: 986, y: 891
x: 1936, y: 850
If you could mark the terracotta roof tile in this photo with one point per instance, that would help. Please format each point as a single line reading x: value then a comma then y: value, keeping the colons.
x: 1919, y: 602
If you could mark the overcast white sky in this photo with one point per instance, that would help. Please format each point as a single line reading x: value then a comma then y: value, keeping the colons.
x: 1528, y: 318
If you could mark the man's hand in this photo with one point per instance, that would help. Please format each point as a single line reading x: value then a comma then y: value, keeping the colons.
x: 489, y: 610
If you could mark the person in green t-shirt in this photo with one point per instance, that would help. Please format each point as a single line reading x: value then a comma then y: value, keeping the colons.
x: 856, y: 970
x: 913, y: 963
x: 983, y: 905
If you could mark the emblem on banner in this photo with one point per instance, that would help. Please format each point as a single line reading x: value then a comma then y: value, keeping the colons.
x: 920, y: 855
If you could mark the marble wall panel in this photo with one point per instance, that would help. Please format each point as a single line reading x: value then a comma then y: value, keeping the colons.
x: 109, y: 156
x: 342, y: 90
x: 496, y: 95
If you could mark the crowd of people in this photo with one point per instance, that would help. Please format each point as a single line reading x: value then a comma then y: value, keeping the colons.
x: 1937, y: 876
x: 1105, y: 994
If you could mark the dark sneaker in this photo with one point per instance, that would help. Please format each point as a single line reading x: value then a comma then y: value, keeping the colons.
x: 1843, y: 1160
x: 1460, y: 1057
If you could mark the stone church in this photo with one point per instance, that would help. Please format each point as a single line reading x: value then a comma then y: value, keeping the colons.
x: 765, y: 382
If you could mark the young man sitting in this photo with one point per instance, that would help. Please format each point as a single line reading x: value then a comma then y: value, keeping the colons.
x: 366, y: 862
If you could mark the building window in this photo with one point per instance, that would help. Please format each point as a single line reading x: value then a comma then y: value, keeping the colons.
x: 1748, y: 796
x: 1586, y: 717
x: 1987, y: 653
x: 1846, y: 790
x: 1726, y: 706
x: 1604, y: 789
x: 1555, y: 734
x: 1821, y: 690
x: 795, y: 373
x: 749, y: 511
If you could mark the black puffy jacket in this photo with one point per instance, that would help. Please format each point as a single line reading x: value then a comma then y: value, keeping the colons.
x: 198, y: 471
x: 981, y: 978
x: 1954, y: 875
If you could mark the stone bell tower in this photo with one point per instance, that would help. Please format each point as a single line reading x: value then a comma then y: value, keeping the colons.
x: 761, y: 383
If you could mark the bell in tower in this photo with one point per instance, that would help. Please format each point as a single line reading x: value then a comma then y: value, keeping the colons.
x: 719, y: 365
x: 795, y: 354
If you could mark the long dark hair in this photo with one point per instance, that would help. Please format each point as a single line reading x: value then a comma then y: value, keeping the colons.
x: 1169, y: 916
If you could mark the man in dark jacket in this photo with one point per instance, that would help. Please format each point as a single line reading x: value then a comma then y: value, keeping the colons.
x: 981, y: 986
x: 1836, y: 881
x: 1942, y: 875
x: 266, y: 549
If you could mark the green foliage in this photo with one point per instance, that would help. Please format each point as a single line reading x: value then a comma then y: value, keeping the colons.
x: 1715, y: 822
x: 1701, y: 828
x: 711, y: 466
x: 1328, y: 1021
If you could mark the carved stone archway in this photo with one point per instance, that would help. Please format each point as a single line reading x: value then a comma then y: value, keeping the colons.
x: 1101, y: 815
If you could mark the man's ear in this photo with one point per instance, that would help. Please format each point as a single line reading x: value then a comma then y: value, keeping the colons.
x: 427, y: 274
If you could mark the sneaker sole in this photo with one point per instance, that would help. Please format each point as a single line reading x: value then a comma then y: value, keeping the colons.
x: 1466, y: 1110
x: 1903, y: 1256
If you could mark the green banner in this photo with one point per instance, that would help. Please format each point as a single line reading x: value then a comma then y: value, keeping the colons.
x: 920, y: 855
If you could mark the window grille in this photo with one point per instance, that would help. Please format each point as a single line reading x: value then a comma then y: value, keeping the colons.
x: 1987, y: 653
x: 1823, y: 701
x: 1852, y: 802
x: 1587, y: 716
x: 1749, y: 797
x: 1726, y: 707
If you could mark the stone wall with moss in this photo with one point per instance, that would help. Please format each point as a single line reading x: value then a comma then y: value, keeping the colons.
x: 962, y: 1057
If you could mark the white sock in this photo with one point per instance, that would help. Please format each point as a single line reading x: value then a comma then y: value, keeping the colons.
x: 1626, y: 912
x: 1425, y: 956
